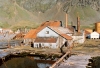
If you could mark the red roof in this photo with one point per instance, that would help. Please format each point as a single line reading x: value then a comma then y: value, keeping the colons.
x: 33, y: 33
x: 30, y: 34
x: 87, y: 32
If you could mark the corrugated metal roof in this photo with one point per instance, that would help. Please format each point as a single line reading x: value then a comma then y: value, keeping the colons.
x: 66, y: 36
x: 62, y: 32
x: 46, y: 40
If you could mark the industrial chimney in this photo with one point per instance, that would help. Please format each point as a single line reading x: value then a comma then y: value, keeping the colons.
x: 66, y: 20
x: 78, y: 24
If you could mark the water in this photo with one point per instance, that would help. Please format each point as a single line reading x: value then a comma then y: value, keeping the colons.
x: 23, y: 62
x: 96, y: 62
x: 26, y: 62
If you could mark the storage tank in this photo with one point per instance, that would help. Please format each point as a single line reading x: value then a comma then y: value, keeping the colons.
x: 97, y: 27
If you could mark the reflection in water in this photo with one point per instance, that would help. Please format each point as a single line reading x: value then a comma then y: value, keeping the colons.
x: 44, y: 63
x: 26, y: 62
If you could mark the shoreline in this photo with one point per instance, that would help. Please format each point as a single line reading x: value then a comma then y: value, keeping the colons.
x: 23, y: 51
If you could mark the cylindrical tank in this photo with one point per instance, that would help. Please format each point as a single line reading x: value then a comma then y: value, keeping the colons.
x: 89, y: 30
x: 97, y: 27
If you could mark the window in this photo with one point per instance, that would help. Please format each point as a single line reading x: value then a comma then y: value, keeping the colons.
x: 47, y: 32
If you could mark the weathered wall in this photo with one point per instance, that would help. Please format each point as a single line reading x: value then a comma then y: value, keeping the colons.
x: 43, y: 33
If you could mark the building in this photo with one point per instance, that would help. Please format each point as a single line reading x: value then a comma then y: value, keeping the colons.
x: 94, y: 35
x: 97, y: 27
x: 19, y: 36
x: 53, y: 37
x: 52, y: 34
x: 79, y: 37
x: 1, y: 30
x: 32, y: 34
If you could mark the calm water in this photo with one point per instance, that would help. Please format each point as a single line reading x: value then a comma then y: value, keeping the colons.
x: 26, y: 62
x: 96, y: 63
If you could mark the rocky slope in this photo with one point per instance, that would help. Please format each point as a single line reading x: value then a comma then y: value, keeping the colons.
x: 12, y: 12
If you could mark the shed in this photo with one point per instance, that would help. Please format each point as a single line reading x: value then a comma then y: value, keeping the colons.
x: 94, y: 35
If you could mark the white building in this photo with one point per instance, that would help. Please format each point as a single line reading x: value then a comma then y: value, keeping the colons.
x: 1, y: 30
x: 79, y: 37
x: 53, y: 37
x: 94, y: 35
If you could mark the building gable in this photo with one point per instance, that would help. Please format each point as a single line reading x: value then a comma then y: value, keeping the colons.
x: 46, y: 32
x: 94, y: 35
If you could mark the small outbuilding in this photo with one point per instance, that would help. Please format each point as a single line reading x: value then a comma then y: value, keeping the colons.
x: 94, y: 35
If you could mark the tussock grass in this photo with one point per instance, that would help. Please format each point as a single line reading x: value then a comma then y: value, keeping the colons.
x: 91, y: 43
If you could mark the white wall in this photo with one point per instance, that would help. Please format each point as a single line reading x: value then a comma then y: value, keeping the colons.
x: 53, y: 45
x: 42, y: 33
x: 94, y: 35
x: 79, y: 39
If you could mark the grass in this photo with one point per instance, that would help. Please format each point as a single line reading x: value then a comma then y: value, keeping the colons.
x: 22, y: 13
x: 4, y: 25
x: 24, y: 24
x: 90, y: 47
x: 84, y: 12
x: 91, y: 43
x: 88, y: 26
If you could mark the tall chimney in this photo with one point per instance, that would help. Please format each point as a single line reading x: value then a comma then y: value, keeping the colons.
x: 66, y: 20
x: 78, y: 24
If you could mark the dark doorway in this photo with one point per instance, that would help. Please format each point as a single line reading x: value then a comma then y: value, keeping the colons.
x: 39, y: 45
x: 32, y: 44
x: 66, y: 44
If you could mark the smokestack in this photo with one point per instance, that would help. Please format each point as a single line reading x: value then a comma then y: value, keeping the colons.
x: 78, y: 24
x: 66, y: 20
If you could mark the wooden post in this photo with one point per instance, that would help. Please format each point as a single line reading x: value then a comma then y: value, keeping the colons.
x: 66, y: 20
x: 60, y: 60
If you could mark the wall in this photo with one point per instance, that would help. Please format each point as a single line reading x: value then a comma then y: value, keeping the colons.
x: 94, y: 35
x: 79, y: 39
x: 47, y: 45
x: 43, y: 33
x: 28, y: 41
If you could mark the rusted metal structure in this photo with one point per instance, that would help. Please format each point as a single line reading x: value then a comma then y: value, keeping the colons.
x: 66, y: 20
x: 97, y: 27
x: 78, y: 24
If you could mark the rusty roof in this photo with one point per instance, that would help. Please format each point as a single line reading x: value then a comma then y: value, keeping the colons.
x: 19, y: 36
x: 62, y: 32
x: 33, y: 33
x: 46, y: 40
x: 87, y: 32
x: 30, y: 34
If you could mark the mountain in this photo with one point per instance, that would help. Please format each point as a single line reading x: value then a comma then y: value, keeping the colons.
x: 13, y: 12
